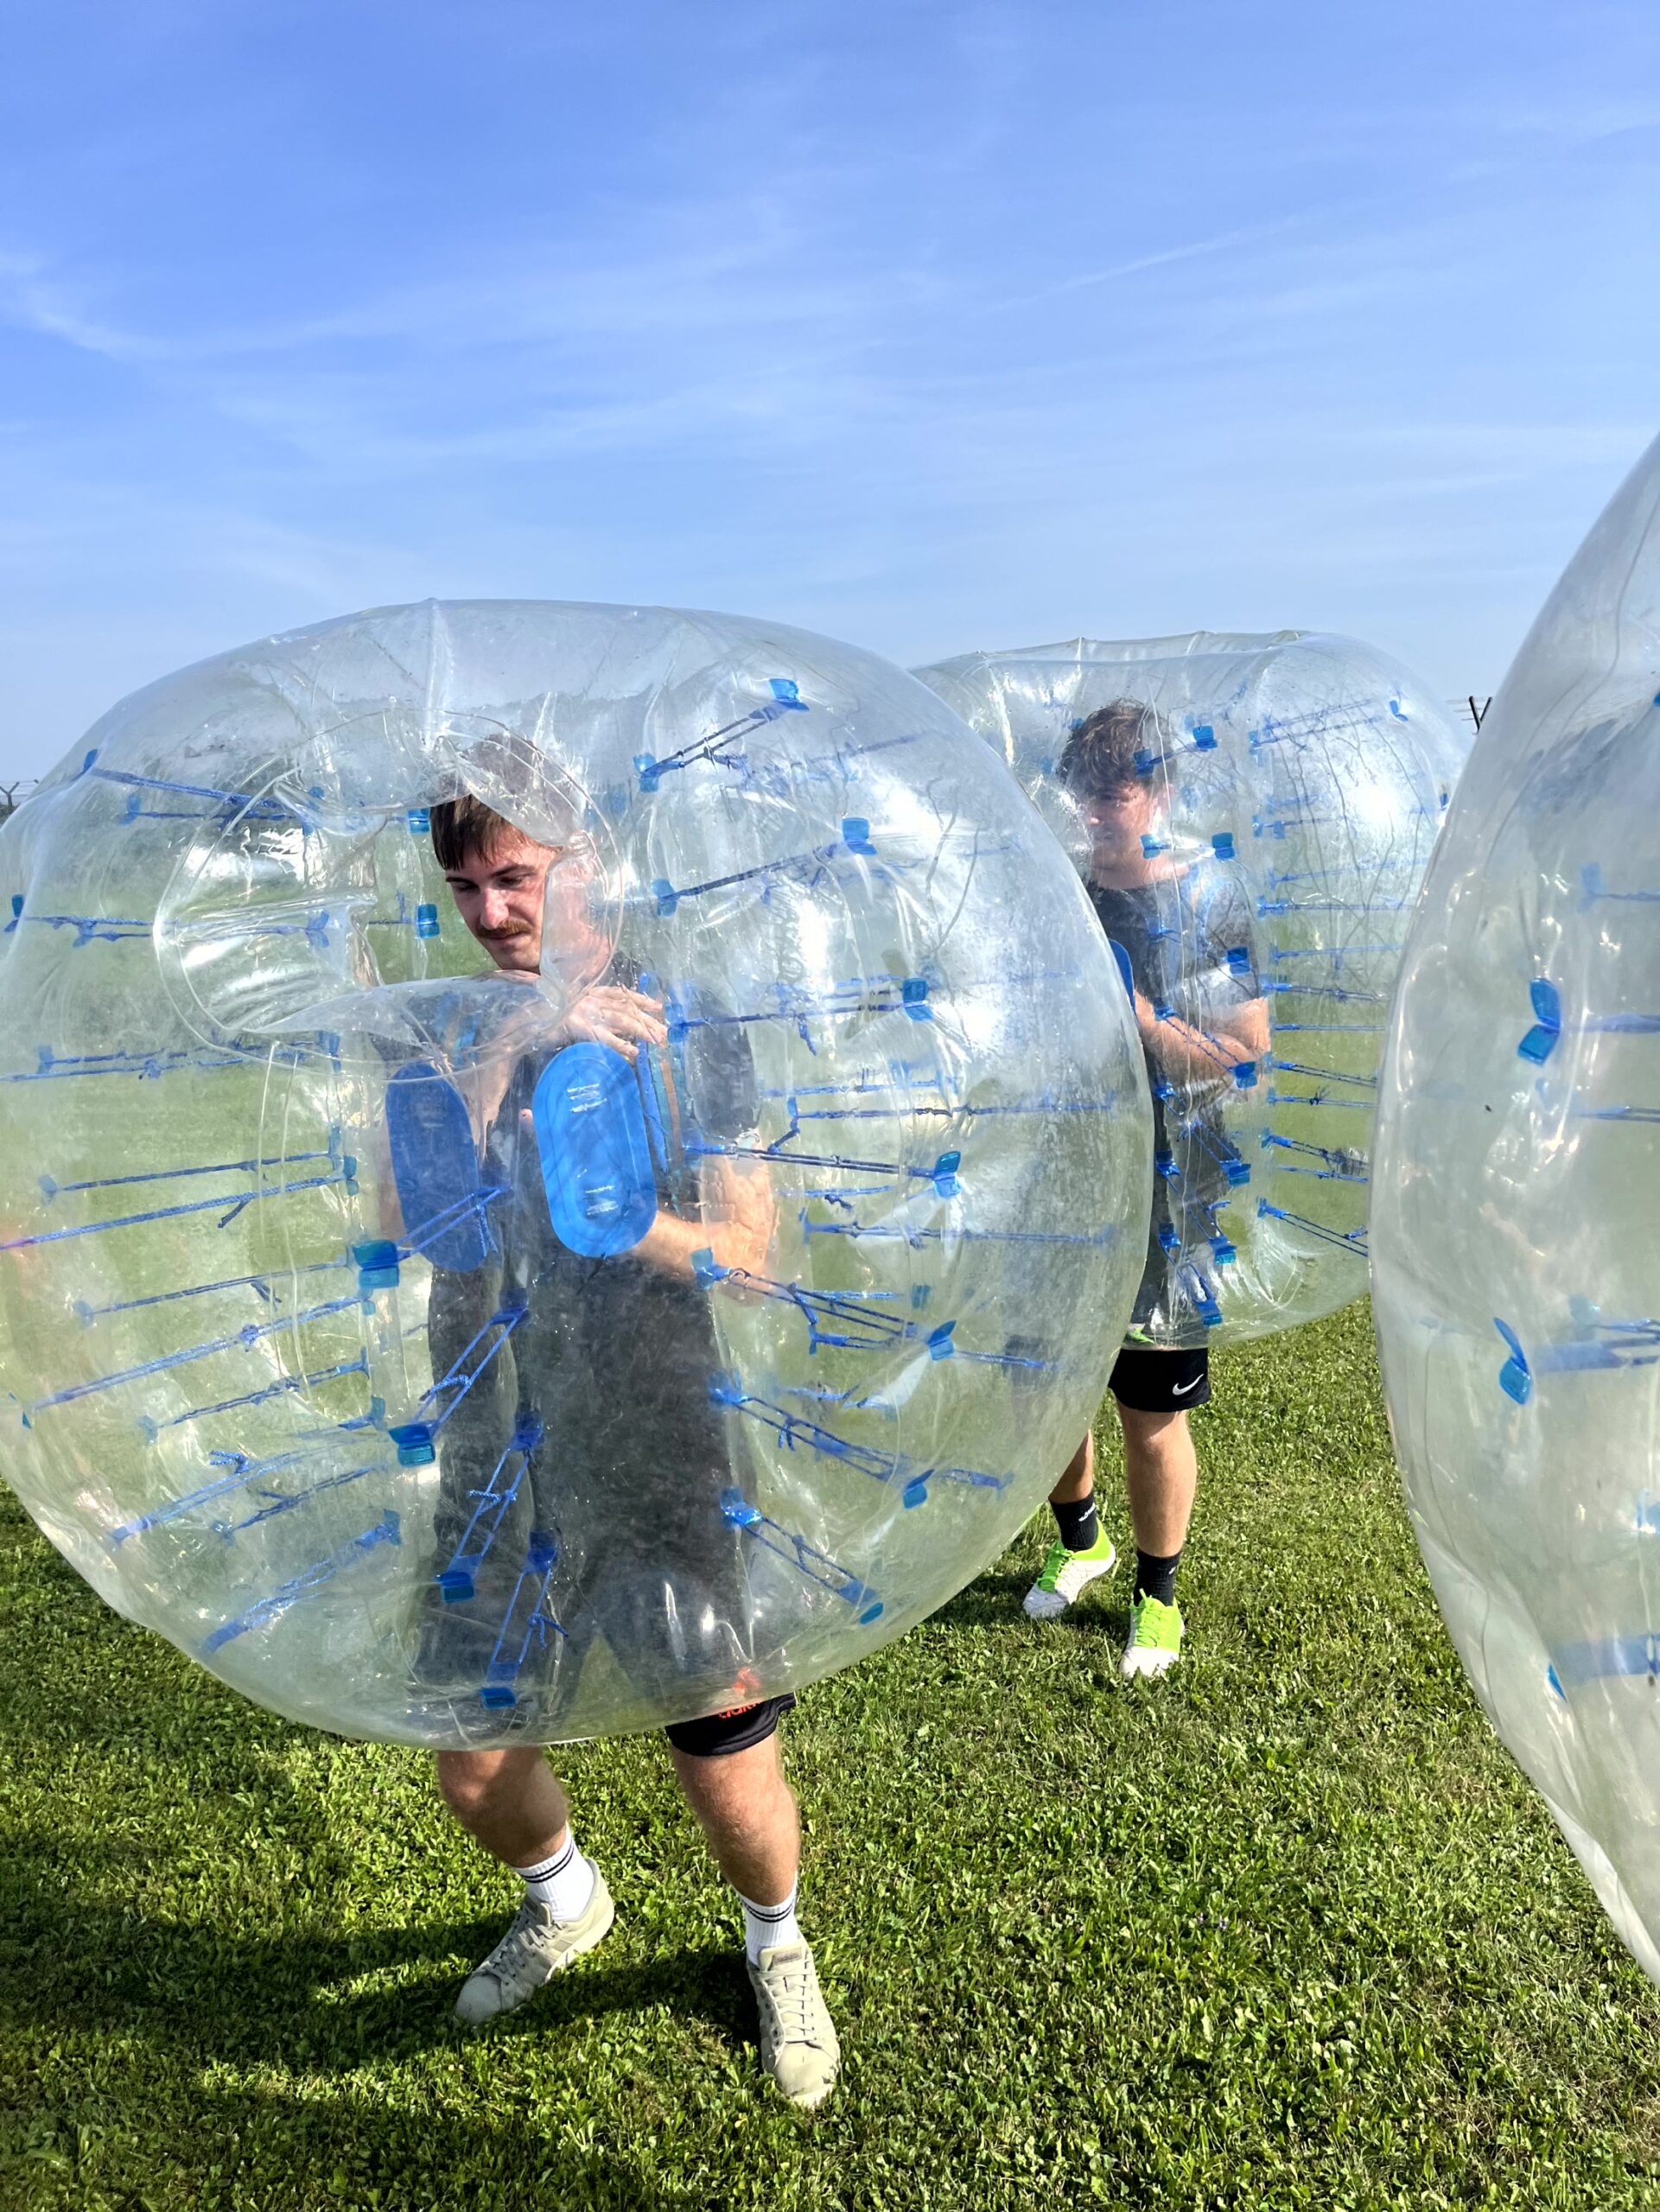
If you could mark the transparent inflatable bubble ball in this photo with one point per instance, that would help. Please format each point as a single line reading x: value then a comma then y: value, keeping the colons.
x: 1252, y: 816
x: 1515, y: 1261
x: 566, y: 1167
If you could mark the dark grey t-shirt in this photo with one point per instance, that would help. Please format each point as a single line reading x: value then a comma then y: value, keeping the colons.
x: 614, y: 1357
x: 1187, y: 938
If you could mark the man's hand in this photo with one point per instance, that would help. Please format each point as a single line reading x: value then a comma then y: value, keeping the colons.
x: 1188, y: 1053
x: 621, y: 1019
x: 740, y: 1215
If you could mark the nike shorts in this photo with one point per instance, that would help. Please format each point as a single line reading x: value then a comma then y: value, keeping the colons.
x: 1162, y: 1382
x: 719, y: 1734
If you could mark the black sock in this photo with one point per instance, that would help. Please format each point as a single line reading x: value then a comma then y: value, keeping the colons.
x: 1077, y: 1523
x: 1156, y: 1577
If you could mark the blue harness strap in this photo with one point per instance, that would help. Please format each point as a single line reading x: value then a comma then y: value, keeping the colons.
x: 435, y: 1168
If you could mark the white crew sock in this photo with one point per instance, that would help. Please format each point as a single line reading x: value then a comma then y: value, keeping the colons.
x: 563, y: 1883
x: 766, y: 1924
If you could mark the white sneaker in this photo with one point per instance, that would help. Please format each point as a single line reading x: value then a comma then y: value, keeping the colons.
x: 1066, y: 1575
x: 534, y: 1949
x: 798, y: 2038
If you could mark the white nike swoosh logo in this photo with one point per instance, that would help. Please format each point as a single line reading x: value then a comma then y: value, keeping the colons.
x: 1180, y: 1389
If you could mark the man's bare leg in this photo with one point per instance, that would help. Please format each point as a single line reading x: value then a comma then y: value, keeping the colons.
x: 1160, y: 1475
x: 1079, y: 1481
x: 513, y: 1804
x: 748, y: 1813
x: 511, y: 1801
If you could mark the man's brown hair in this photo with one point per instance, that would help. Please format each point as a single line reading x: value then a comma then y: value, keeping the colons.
x: 1098, y: 761
x: 461, y: 826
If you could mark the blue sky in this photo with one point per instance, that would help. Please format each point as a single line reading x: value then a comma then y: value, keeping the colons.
x: 932, y: 325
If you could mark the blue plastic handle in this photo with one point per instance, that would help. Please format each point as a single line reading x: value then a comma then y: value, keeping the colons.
x: 596, y: 1155
x: 1541, y: 1040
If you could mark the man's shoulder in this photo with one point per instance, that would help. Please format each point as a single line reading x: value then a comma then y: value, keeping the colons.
x: 1113, y: 902
x: 1214, y: 897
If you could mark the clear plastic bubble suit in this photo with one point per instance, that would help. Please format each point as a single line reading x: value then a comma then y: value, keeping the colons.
x: 1290, y: 788
x: 329, y: 1353
x: 1517, y: 1227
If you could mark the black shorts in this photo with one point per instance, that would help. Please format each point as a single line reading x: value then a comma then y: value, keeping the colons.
x: 1151, y: 1382
x: 719, y: 1734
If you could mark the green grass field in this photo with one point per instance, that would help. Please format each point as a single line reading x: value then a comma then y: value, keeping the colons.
x: 1286, y: 1930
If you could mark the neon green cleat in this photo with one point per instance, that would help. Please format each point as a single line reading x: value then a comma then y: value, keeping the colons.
x: 1155, y: 1642
x: 1066, y: 1575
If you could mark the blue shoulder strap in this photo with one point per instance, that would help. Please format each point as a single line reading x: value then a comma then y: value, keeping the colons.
x: 1122, y: 958
x: 435, y: 1168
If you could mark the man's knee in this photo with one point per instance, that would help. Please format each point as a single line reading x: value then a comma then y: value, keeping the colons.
x: 742, y: 1802
x: 1146, y: 1428
x: 473, y: 1782
x: 732, y: 1783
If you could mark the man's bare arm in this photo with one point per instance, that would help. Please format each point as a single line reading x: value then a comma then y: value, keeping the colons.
x: 1187, y: 1054
x: 736, y: 1225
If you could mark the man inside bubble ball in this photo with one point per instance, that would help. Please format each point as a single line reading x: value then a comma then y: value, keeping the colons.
x: 1174, y: 927
x: 605, y: 1386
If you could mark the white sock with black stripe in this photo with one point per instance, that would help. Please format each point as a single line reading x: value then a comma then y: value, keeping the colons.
x: 563, y: 1883
x: 765, y: 1925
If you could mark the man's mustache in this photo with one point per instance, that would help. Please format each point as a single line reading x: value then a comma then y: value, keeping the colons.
x: 507, y: 930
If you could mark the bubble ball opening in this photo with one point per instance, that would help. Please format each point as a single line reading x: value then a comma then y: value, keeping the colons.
x: 1515, y: 1283
x: 453, y: 1356
x: 1254, y: 815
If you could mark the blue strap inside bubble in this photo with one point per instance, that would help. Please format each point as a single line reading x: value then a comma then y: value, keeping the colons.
x: 435, y: 1168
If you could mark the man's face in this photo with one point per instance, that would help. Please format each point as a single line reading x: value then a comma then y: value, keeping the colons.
x: 1117, y: 824
x: 500, y: 895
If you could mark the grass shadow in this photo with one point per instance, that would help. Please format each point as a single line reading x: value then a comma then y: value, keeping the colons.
x: 994, y: 1602
x: 191, y: 1989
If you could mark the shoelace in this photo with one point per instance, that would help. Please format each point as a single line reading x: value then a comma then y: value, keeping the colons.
x: 514, y: 1947
x: 1136, y: 1637
x: 791, y: 1998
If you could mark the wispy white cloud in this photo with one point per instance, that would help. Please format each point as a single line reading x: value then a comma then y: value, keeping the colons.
x: 1203, y: 249
x: 33, y: 299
